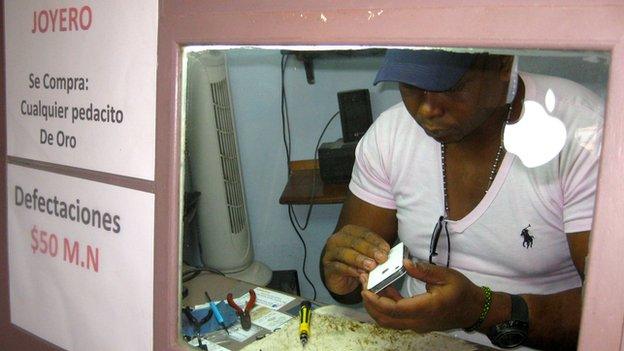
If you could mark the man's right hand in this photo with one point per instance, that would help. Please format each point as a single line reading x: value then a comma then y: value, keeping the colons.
x: 351, y: 251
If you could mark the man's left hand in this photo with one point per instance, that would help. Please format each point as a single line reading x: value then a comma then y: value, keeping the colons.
x: 451, y: 301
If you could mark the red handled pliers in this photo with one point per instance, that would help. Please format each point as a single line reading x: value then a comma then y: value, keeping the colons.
x: 244, y: 316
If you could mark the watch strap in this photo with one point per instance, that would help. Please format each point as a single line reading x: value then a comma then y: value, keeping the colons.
x: 519, y: 309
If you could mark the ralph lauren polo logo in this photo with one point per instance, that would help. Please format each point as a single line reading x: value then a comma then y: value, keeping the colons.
x: 526, y: 237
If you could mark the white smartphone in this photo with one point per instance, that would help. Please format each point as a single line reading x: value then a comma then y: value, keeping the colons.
x: 389, y: 271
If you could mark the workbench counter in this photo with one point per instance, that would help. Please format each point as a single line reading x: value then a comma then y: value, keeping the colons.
x: 218, y: 286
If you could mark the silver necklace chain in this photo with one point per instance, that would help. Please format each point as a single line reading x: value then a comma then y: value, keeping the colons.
x: 495, y: 165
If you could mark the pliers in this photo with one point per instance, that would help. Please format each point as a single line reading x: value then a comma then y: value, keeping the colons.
x: 197, y: 324
x: 245, y: 317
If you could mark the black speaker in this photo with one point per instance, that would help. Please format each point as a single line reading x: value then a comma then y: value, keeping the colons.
x: 355, y: 113
x: 336, y: 161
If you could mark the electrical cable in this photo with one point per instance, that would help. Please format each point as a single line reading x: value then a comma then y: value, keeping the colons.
x: 291, y: 210
x: 318, y: 142
x: 313, y: 191
x: 287, y: 146
x: 285, y: 119
x: 286, y: 136
x: 194, y: 272
x: 305, y: 251
x: 286, y: 133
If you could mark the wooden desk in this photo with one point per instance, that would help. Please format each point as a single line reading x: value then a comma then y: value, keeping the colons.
x: 305, y: 186
x: 219, y: 286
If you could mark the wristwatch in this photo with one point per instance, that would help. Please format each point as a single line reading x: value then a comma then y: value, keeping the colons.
x: 513, y: 332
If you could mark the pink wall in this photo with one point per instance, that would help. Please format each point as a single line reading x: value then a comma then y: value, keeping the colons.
x: 519, y: 24
x: 597, y: 25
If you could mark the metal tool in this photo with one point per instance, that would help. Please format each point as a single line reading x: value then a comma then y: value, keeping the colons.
x: 305, y: 310
x: 197, y: 324
x: 217, y: 313
x: 244, y: 315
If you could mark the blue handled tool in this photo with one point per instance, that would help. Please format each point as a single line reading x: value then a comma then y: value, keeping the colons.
x: 216, y: 312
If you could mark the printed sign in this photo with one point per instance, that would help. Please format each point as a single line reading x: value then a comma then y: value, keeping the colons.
x: 80, y: 261
x: 81, y: 83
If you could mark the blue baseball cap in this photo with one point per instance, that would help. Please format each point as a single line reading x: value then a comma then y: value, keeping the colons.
x: 433, y: 70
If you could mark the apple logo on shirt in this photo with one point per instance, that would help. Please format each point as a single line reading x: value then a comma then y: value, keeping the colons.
x: 537, y: 137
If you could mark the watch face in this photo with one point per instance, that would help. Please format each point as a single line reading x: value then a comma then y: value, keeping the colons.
x: 509, y: 334
x: 511, y: 338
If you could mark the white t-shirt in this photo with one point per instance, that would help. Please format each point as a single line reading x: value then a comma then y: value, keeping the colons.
x: 399, y: 167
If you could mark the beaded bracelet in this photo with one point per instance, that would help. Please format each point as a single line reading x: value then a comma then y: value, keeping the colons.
x: 484, y: 311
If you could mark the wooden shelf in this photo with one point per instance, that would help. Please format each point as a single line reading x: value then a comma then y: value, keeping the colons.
x: 304, y: 178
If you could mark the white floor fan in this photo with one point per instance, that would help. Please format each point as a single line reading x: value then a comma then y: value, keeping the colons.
x: 215, y: 171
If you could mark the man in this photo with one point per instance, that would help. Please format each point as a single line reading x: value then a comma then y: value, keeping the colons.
x: 512, y: 241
